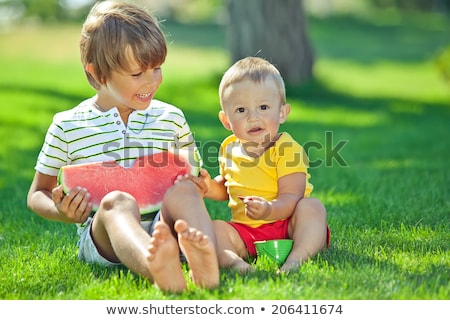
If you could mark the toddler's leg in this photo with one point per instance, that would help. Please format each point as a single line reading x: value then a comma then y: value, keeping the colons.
x: 230, y: 248
x: 308, y: 229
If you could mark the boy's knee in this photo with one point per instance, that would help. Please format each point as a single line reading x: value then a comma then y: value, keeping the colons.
x: 115, y: 199
x: 180, y: 190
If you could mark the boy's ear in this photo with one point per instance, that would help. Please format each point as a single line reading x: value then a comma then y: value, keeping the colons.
x: 90, y: 70
x: 223, y: 118
x: 284, y: 112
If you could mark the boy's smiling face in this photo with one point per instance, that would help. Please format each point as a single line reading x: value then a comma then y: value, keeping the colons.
x: 128, y: 89
x: 253, y: 110
x: 134, y: 88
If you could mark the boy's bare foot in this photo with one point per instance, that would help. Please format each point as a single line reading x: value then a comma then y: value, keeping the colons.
x: 200, y: 254
x: 164, y: 260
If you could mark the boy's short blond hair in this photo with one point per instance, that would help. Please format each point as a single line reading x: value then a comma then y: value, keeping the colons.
x: 255, y: 69
x: 111, y: 29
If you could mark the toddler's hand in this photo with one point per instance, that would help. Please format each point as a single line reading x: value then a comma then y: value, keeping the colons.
x: 257, y: 208
x: 202, y: 181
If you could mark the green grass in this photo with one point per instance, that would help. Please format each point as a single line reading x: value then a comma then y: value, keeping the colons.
x: 378, y: 100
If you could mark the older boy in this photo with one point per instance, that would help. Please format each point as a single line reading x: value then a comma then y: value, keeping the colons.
x: 122, y: 50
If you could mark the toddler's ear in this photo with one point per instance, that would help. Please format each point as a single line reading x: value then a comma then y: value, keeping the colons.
x: 284, y: 112
x: 224, y: 119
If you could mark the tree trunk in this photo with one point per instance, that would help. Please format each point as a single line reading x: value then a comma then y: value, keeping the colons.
x: 274, y: 30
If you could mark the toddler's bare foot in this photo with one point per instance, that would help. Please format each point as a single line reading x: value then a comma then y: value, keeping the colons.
x: 164, y: 260
x: 241, y: 266
x: 200, y: 254
x: 290, y: 265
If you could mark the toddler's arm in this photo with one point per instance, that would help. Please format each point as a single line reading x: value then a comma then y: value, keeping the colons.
x: 291, y: 189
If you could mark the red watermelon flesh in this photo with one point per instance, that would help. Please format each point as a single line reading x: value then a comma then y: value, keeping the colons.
x: 147, y: 181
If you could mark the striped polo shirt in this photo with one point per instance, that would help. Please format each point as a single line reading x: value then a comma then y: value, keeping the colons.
x: 85, y: 134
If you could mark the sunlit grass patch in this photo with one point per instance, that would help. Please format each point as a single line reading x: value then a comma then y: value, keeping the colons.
x: 393, y: 80
x: 382, y: 110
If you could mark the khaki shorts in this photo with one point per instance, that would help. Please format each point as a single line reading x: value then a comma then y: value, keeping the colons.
x: 88, y: 251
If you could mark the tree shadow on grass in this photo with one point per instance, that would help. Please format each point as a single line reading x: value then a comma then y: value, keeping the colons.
x: 381, y: 38
x: 356, y: 38
x: 207, y: 35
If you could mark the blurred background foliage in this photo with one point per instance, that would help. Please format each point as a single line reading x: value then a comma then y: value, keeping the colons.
x: 215, y: 14
x: 47, y: 11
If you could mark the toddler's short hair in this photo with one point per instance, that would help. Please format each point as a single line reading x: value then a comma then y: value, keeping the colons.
x: 113, y: 28
x: 255, y: 69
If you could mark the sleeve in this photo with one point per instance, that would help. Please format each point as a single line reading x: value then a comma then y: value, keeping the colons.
x: 185, y: 140
x: 291, y: 158
x: 225, y: 154
x: 221, y: 160
x: 54, y: 152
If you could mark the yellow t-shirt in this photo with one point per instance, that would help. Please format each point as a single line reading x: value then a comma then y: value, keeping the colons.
x: 248, y: 176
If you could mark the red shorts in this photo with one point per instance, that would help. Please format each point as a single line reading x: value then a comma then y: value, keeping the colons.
x: 269, y: 231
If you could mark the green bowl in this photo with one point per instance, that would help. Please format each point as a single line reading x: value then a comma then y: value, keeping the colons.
x: 277, y: 250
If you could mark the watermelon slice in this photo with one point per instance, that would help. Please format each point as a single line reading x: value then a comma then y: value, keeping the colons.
x: 147, y: 181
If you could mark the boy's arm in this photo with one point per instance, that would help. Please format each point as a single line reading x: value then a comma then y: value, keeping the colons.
x: 47, y: 200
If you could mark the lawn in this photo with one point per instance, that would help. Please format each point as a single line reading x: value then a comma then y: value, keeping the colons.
x: 375, y: 121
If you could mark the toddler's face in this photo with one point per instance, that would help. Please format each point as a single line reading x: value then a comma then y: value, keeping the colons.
x: 253, y: 111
